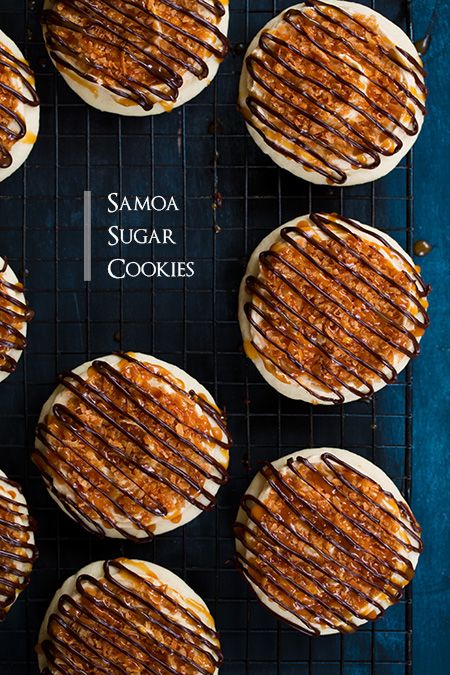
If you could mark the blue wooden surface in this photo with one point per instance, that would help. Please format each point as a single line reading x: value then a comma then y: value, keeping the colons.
x: 431, y: 473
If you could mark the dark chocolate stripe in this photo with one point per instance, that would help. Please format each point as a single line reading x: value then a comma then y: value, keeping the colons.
x: 132, y: 468
x: 132, y: 28
x: 365, y: 368
x: 14, y: 127
x: 306, y: 579
x: 15, y: 549
x: 266, y: 113
x: 97, y: 609
x: 11, y: 337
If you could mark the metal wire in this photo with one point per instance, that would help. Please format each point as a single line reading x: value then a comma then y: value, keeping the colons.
x: 230, y: 195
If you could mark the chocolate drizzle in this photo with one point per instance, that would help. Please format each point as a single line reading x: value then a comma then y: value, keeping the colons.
x: 155, y: 44
x: 155, y: 452
x: 330, y: 113
x: 349, y: 361
x: 12, y: 311
x: 17, y: 552
x: 14, y: 72
x: 128, y: 622
x: 326, y: 550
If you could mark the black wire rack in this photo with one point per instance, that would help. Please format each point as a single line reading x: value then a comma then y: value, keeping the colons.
x: 230, y: 196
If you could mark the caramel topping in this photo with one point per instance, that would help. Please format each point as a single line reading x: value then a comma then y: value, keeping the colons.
x: 331, y: 311
x: 17, y: 554
x: 16, y: 87
x: 139, y: 50
x: 327, y: 544
x: 129, y: 622
x: 128, y: 445
x: 13, y: 315
x: 331, y: 92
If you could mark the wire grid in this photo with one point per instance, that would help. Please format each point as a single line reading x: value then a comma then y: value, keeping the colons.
x: 230, y: 196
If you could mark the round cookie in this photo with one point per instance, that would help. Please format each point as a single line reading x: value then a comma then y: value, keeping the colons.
x: 331, y: 310
x: 18, y: 552
x: 333, y: 92
x: 159, y: 56
x: 148, y: 615
x: 19, y: 108
x: 326, y: 540
x: 14, y: 317
x: 130, y: 446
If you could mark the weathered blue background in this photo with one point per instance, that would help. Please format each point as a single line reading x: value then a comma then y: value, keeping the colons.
x: 431, y: 475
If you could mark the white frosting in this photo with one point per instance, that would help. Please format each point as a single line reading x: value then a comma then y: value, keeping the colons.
x: 22, y: 518
x: 259, y: 488
x: 190, y: 511
x: 292, y: 389
x: 176, y: 587
x: 354, y: 176
x: 8, y: 275
x: 30, y: 114
x: 101, y: 98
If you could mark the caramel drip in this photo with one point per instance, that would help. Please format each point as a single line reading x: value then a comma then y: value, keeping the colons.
x: 127, y: 623
x: 155, y: 45
x: 319, y: 152
x: 13, y: 127
x: 358, y: 348
x: 331, y: 559
x: 186, y: 479
x: 12, y: 311
x: 15, y: 549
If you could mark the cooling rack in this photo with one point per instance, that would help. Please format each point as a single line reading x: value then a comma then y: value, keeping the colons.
x: 229, y: 195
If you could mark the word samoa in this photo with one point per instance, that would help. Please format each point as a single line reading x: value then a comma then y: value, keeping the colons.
x: 156, y: 203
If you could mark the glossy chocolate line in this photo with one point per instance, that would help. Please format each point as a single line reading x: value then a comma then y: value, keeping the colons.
x: 414, y: 531
x: 347, y: 289
x: 397, y: 83
x: 366, y: 565
x: 261, y: 115
x: 90, y: 389
x: 157, y: 617
x: 101, y: 617
x: 258, y: 289
x: 17, y: 310
x: 418, y: 68
x: 207, y: 408
x: 276, y: 547
x: 281, y: 488
x: 338, y: 230
x: 14, y: 127
x: 51, y: 461
x: 327, y: 562
x: 16, y: 528
x: 382, y: 541
x: 322, y: 223
x: 300, y: 367
x: 128, y: 23
x: 373, y: 148
x: 254, y: 285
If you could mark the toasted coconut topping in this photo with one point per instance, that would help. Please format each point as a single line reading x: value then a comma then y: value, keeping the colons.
x: 326, y: 544
x: 130, y: 622
x: 17, y: 549
x: 16, y: 87
x: 330, y: 91
x: 332, y: 310
x: 129, y: 446
x: 14, y: 314
x: 139, y: 50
